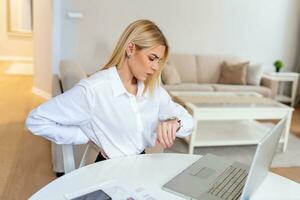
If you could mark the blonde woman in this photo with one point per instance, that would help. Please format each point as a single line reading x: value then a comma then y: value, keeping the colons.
x: 121, y: 108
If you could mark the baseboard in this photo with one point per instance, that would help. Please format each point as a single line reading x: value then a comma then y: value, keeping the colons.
x: 15, y: 58
x: 41, y: 93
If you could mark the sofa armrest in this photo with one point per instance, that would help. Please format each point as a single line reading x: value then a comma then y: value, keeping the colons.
x: 271, y: 84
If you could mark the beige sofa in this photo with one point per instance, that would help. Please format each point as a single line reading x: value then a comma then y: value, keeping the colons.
x: 202, y: 73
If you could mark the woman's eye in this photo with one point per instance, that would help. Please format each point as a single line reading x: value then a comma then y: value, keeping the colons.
x: 151, y: 58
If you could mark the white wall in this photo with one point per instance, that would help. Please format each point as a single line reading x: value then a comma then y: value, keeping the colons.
x: 12, y: 46
x: 43, y: 47
x: 259, y: 30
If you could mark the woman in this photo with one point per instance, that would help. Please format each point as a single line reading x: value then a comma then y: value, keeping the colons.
x: 121, y: 108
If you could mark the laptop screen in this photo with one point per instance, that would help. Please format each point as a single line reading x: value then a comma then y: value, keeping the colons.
x: 262, y: 159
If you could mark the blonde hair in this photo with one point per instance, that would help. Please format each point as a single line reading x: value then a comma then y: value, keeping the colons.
x: 144, y: 34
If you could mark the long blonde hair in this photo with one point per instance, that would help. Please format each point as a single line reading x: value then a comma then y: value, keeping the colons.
x: 144, y: 34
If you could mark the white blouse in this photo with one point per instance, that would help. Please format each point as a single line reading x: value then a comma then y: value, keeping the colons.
x: 100, y: 109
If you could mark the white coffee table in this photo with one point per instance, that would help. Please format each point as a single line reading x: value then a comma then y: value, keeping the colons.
x: 228, y: 124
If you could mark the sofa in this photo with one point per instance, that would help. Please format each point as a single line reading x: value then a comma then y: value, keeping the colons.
x: 188, y: 72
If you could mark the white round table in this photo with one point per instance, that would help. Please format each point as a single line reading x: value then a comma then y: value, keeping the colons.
x: 151, y: 171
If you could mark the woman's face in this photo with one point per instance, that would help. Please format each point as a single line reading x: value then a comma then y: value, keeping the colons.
x: 144, y: 63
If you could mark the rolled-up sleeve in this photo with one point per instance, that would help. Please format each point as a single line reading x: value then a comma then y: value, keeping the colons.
x: 60, y: 118
x: 168, y: 108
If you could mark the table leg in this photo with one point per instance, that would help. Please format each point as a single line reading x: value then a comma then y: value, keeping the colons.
x: 193, y: 138
x: 191, y: 148
x: 294, y: 91
x: 287, y: 130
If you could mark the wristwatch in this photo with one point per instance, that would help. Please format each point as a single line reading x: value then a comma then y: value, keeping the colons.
x: 174, y: 118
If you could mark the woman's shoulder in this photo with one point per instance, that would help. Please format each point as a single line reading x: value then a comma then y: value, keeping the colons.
x: 97, y: 83
x: 160, y: 90
x: 97, y: 79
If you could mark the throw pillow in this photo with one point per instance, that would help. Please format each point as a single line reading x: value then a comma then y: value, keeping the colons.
x: 233, y: 73
x: 254, y: 74
x: 170, y: 75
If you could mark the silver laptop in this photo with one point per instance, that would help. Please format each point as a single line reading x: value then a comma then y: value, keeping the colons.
x: 213, y: 177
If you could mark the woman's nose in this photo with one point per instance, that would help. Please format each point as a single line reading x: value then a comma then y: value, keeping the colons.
x: 155, y: 66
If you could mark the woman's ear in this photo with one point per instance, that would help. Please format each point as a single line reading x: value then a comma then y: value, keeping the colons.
x: 130, y: 49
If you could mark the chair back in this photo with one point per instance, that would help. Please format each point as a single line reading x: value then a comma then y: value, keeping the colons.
x: 68, y: 157
x: 70, y: 74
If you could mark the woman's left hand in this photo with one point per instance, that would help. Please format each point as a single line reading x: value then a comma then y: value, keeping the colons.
x: 166, y: 133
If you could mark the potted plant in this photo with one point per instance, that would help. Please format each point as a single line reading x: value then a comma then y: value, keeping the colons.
x: 278, y: 64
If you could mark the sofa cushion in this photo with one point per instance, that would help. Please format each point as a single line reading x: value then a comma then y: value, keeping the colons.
x: 186, y: 67
x: 233, y: 73
x: 254, y: 74
x: 266, y: 92
x: 170, y: 75
x: 189, y: 87
x: 209, y: 67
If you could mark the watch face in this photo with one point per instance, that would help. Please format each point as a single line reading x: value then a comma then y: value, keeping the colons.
x: 171, y: 118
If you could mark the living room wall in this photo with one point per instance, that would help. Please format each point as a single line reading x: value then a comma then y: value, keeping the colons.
x: 12, y: 47
x: 258, y: 30
x: 44, y: 47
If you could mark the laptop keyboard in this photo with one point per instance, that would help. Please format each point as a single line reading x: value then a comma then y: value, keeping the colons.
x: 229, y: 184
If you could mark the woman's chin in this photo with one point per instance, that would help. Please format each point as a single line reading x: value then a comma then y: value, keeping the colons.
x: 142, y: 78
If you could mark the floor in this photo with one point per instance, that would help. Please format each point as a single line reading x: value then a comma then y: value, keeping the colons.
x: 292, y: 173
x: 26, y: 159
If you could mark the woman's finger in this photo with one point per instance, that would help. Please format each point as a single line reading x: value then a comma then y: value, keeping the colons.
x: 170, y: 134
x: 160, y: 135
x: 174, y: 131
x: 165, y: 133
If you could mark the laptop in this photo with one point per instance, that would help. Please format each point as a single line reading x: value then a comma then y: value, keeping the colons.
x: 216, y: 178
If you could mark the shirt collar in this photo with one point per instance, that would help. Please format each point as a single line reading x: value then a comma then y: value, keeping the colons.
x: 118, y: 87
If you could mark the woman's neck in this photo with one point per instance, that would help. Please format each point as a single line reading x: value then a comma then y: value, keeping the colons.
x: 127, y: 78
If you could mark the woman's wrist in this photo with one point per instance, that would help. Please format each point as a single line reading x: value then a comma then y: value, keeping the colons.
x: 174, y: 119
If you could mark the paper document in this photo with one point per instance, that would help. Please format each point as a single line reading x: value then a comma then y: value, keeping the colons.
x: 115, y: 190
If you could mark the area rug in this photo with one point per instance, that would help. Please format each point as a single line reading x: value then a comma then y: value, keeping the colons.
x: 20, y: 68
x: 244, y: 154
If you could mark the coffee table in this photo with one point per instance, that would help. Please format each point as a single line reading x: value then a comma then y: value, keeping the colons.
x: 228, y: 118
